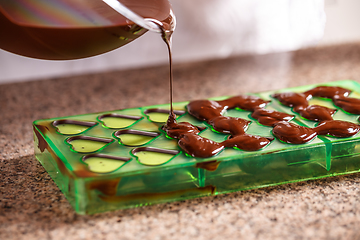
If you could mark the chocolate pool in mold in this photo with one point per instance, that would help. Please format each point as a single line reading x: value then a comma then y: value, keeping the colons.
x: 98, y: 175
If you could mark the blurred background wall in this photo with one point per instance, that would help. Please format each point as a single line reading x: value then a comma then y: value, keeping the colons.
x: 210, y: 29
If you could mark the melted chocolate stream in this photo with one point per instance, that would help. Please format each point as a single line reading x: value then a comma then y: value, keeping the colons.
x: 166, y: 36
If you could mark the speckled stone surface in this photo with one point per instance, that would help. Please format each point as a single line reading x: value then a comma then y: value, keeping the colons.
x: 32, y: 207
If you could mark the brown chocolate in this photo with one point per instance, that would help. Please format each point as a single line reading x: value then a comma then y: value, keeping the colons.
x: 328, y: 92
x: 316, y: 113
x: 197, y: 146
x: 337, y: 128
x: 292, y: 133
x: 204, y: 110
x: 270, y: 117
x: 210, y: 166
x: 244, y: 102
x: 211, y: 112
x: 350, y: 105
x: 248, y: 142
x: 291, y: 99
x: 230, y: 125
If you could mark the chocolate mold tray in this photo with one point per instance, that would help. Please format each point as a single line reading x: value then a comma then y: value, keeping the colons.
x: 125, y: 158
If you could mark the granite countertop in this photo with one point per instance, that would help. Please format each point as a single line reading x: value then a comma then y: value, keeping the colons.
x: 32, y: 206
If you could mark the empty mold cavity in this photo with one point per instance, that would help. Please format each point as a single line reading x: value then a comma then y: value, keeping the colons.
x: 135, y: 138
x: 100, y: 163
x: 72, y: 127
x: 84, y: 144
x: 113, y: 120
x: 160, y: 115
x: 153, y: 156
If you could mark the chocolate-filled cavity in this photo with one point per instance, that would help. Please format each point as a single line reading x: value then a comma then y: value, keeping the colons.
x: 135, y: 137
x: 350, y: 105
x: 292, y: 133
x: 291, y: 99
x: 328, y: 92
x: 197, y: 146
x: 72, y: 127
x: 337, y: 128
x: 248, y: 142
x: 211, y: 112
x: 229, y: 125
x: 244, y: 102
x: 316, y: 113
x: 270, y: 117
x: 117, y: 121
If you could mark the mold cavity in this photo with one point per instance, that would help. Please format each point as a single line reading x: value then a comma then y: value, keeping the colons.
x: 84, y: 144
x: 71, y: 127
x: 153, y: 156
x: 160, y: 115
x: 118, y: 121
x: 101, y: 163
x: 134, y: 137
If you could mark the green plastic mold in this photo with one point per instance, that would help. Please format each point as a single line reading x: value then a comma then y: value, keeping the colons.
x: 121, y: 159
